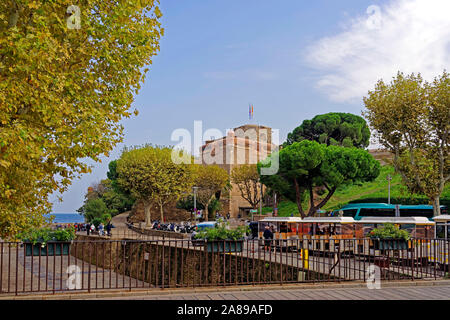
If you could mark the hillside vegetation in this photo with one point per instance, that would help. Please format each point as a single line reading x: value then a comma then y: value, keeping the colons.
x: 376, y: 191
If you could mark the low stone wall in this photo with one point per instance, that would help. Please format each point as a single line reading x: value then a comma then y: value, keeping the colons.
x: 176, y: 266
x: 160, y: 233
x: 97, y: 251
x: 169, y: 266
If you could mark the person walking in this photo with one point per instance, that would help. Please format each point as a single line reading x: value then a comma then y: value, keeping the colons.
x: 88, y: 228
x: 100, y: 229
x: 268, y: 236
x: 108, y: 228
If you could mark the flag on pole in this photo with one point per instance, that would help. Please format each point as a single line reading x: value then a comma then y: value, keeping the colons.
x: 250, y: 111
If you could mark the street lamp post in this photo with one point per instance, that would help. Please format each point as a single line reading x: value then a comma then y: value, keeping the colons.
x: 195, y: 203
x: 389, y: 178
x: 261, y: 199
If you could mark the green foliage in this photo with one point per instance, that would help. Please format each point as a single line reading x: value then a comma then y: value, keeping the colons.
x: 44, y: 235
x: 64, y: 93
x: 246, y: 178
x: 187, y: 204
x: 97, y: 220
x: 149, y: 175
x: 340, y: 129
x: 221, y: 231
x: 115, y: 198
x: 367, y: 192
x: 412, y: 120
x: 94, y: 208
x: 210, y: 181
x: 306, y: 165
x: 389, y: 231
x: 215, y: 205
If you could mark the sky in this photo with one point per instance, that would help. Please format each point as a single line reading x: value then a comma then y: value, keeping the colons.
x: 291, y: 59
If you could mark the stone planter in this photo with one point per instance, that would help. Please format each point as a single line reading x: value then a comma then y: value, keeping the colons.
x: 54, y: 249
x: 224, y: 246
x: 390, y: 244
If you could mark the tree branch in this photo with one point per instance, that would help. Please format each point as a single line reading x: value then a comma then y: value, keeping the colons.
x: 323, y: 202
x: 298, y: 198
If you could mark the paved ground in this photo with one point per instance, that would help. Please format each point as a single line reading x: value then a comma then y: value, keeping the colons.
x: 33, y: 274
x: 437, y: 292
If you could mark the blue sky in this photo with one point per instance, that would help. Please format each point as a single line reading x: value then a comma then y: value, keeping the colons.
x: 292, y: 59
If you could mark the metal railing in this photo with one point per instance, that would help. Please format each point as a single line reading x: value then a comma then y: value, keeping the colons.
x: 103, y: 264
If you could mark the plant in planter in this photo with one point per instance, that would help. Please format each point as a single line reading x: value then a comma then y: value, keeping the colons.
x: 389, y: 237
x: 223, y: 239
x: 36, y: 241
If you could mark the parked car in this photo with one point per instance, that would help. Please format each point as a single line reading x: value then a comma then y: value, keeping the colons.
x: 201, y: 226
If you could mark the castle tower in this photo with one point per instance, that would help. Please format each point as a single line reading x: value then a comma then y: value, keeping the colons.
x: 246, y: 144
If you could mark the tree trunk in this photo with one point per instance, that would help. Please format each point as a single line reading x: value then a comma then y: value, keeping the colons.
x: 148, y: 218
x: 436, y: 206
x: 314, y: 209
x: 205, y: 213
x: 298, y: 198
x: 161, y: 209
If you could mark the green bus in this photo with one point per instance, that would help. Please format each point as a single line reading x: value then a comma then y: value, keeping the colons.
x: 359, y: 210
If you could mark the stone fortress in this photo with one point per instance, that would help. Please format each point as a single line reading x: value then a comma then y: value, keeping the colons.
x: 247, y: 144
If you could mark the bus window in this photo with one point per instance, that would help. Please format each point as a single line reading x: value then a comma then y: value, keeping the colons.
x: 262, y: 225
x: 444, y: 210
x: 440, y: 231
x: 283, y: 227
x: 368, y: 212
x: 407, y: 227
x: 416, y: 213
x: 350, y: 213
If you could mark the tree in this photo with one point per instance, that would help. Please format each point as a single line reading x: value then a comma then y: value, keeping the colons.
x: 64, y: 92
x: 95, y: 209
x: 210, y: 179
x: 187, y: 204
x: 343, y: 129
x: 151, y: 176
x: 246, y: 178
x: 309, y: 164
x: 115, y: 200
x: 412, y: 120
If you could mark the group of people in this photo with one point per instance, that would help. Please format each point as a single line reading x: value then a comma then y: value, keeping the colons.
x: 101, y: 229
x: 218, y: 216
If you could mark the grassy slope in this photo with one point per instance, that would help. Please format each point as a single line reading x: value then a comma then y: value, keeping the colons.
x: 376, y: 189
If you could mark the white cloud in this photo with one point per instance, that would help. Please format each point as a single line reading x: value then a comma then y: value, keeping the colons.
x: 403, y: 35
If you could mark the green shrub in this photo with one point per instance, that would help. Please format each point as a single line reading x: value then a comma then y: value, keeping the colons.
x: 221, y: 231
x: 389, y: 231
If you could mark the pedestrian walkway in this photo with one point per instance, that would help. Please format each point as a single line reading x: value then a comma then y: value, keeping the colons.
x: 435, y: 292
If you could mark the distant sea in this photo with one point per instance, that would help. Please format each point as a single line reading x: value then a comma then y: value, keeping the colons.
x: 66, y: 217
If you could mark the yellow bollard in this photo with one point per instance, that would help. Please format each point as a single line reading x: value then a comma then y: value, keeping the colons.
x: 305, y: 258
